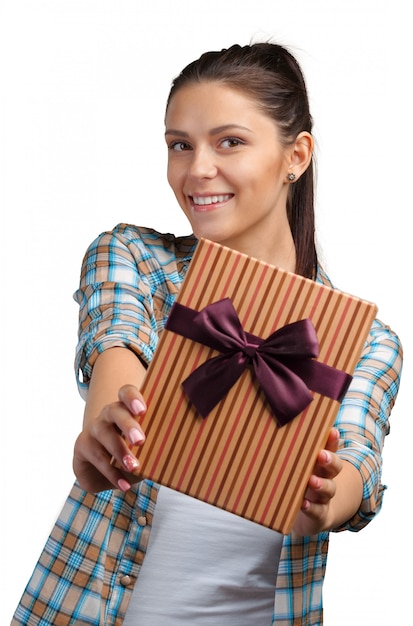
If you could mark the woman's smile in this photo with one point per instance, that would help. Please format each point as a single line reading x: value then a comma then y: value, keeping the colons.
x: 208, y: 202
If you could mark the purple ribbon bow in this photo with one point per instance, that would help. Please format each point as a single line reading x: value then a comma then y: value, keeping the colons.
x: 283, y: 363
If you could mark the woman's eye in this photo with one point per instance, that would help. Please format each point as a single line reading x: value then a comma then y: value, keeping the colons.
x: 231, y: 142
x: 179, y: 146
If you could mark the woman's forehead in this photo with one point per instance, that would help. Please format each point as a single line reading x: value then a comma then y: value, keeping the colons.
x: 211, y: 97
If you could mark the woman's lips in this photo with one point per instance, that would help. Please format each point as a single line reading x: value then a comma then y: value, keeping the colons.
x: 204, y: 202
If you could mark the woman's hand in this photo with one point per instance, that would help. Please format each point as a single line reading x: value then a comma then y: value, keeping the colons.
x: 112, y: 406
x: 101, y: 439
x: 316, y: 510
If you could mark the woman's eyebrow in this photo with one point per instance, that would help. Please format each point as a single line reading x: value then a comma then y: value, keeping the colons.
x: 213, y: 131
x: 172, y: 131
x: 220, y: 129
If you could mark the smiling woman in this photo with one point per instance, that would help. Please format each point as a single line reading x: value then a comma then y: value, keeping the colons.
x: 229, y: 170
x: 240, y: 162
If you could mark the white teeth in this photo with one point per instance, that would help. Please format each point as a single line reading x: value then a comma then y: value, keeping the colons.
x: 211, y: 199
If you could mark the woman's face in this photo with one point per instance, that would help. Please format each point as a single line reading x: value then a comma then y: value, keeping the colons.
x: 227, y: 168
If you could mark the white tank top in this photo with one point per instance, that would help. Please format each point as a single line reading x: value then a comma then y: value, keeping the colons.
x: 205, y: 566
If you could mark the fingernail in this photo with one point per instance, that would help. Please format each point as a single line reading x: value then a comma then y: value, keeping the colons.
x: 137, y: 406
x: 327, y: 457
x: 130, y: 463
x: 135, y: 436
x: 123, y: 484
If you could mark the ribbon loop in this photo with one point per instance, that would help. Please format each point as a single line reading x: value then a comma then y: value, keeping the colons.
x: 284, y: 363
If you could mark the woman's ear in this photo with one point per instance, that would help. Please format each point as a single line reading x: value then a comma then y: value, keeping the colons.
x: 300, y: 155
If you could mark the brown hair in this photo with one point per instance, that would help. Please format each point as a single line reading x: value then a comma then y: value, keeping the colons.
x: 269, y: 74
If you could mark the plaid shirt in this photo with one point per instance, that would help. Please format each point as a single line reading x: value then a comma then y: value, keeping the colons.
x: 85, y: 574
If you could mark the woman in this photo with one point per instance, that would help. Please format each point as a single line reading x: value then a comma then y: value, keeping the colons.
x: 240, y: 162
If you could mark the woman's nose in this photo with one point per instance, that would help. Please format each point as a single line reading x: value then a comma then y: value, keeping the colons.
x: 203, y: 164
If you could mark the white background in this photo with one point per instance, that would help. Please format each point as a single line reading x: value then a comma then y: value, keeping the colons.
x: 83, y: 87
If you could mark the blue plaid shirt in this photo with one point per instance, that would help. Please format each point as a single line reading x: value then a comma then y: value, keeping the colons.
x: 130, y: 278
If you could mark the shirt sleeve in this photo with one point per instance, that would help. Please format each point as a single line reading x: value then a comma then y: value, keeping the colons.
x: 116, y: 303
x: 363, y: 418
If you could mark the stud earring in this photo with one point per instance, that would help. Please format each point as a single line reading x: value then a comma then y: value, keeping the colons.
x: 291, y: 177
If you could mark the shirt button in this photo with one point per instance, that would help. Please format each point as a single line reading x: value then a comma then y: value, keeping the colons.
x: 125, y: 580
x: 141, y: 520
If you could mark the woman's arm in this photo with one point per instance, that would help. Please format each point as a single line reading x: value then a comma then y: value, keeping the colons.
x: 345, y: 490
x: 113, y: 402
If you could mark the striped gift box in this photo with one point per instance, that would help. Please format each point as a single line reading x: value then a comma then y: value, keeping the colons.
x: 238, y: 457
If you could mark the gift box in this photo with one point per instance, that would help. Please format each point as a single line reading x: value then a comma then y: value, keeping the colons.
x: 246, y: 382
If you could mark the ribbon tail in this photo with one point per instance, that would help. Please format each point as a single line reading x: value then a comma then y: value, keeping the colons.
x: 210, y: 382
x: 286, y: 394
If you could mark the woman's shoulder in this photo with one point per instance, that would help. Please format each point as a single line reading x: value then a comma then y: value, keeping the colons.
x: 142, y: 243
x: 126, y: 251
x: 152, y: 237
x: 159, y: 258
x: 151, y: 242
